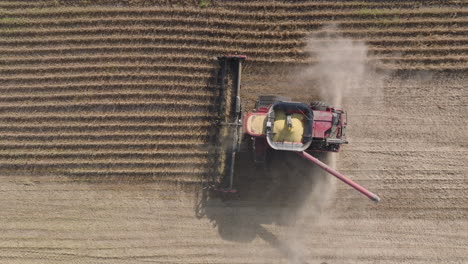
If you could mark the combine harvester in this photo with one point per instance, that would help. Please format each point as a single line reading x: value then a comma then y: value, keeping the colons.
x: 275, y: 123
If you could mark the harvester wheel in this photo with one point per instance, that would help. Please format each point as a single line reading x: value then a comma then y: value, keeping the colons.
x: 264, y: 101
x: 319, y: 105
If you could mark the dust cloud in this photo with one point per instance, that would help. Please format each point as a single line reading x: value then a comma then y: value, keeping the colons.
x: 343, y: 67
x: 343, y: 74
x: 342, y: 70
x: 339, y: 70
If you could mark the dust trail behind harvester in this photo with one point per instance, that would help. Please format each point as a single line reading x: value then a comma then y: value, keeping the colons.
x: 342, y: 70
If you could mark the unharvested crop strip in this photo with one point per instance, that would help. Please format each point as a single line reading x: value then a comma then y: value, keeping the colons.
x: 208, y: 51
x: 218, y: 32
x: 126, y: 95
x: 60, y: 78
x: 111, y: 128
x: 241, y: 24
x: 118, y: 54
x: 416, y: 41
x: 162, y: 87
x: 189, y: 107
x: 331, y: 5
x: 462, y: 49
x: 427, y: 32
x: 199, y: 98
x: 89, y: 116
x: 229, y: 14
x: 19, y: 5
x: 100, y: 137
x: 69, y: 166
x: 106, y: 68
x: 461, y: 68
x: 105, y: 161
x: 196, y: 41
x: 195, y: 170
x: 89, y: 121
x: 79, y: 59
x: 135, y: 144
x: 53, y: 124
x: 147, y: 40
x: 426, y: 60
x: 66, y: 153
x: 198, y: 128
x: 195, y: 132
x: 259, y: 49
x: 148, y: 30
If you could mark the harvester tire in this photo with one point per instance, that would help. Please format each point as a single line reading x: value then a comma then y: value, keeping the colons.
x: 264, y: 101
x: 319, y: 105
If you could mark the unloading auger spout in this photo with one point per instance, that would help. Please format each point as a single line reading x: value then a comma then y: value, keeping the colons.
x: 340, y: 176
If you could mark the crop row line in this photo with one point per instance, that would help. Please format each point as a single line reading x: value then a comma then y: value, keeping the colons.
x: 261, y: 5
x: 145, y: 40
x: 461, y: 68
x: 111, y: 103
x: 99, y: 137
x: 97, y: 125
x: 115, y: 87
x: 150, y: 76
x: 219, y: 32
x: 108, y: 67
x: 219, y: 48
x: 184, y: 53
x: 159, y: 115
x: 90, y: 118
x: 196, y: 131
x: 230, y: 14
x: 111, y: 152
x: 38, y: 130
x: 182, y: 106
x: 44, y: 127
x: 331, y: 5
x: 154, y: 167
x: 160, y: 144
x: 127, y: 95
x: 309, y: 24
x: 184, y: 41
x: 190, y: 59
x: 106, y: 162
x: 99, y: 161
x: 24, y: 81
x: 10, y: 71
x: 118, y: 54
x: 21, y: 82
x: 425, y: 60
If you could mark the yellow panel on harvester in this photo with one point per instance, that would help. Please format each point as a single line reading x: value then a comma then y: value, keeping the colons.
x: 256, y: 124
x: 283, y: 133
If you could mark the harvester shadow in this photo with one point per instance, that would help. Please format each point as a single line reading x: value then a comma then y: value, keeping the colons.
x: 281, y: 246
x: 273, y: 194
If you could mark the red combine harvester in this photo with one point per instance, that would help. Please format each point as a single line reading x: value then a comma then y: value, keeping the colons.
x: 276, y: 123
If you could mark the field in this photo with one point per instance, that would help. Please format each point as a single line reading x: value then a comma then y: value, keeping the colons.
x: 105, y: 118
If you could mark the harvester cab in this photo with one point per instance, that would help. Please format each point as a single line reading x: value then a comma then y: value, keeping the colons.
x: 276, y: 124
